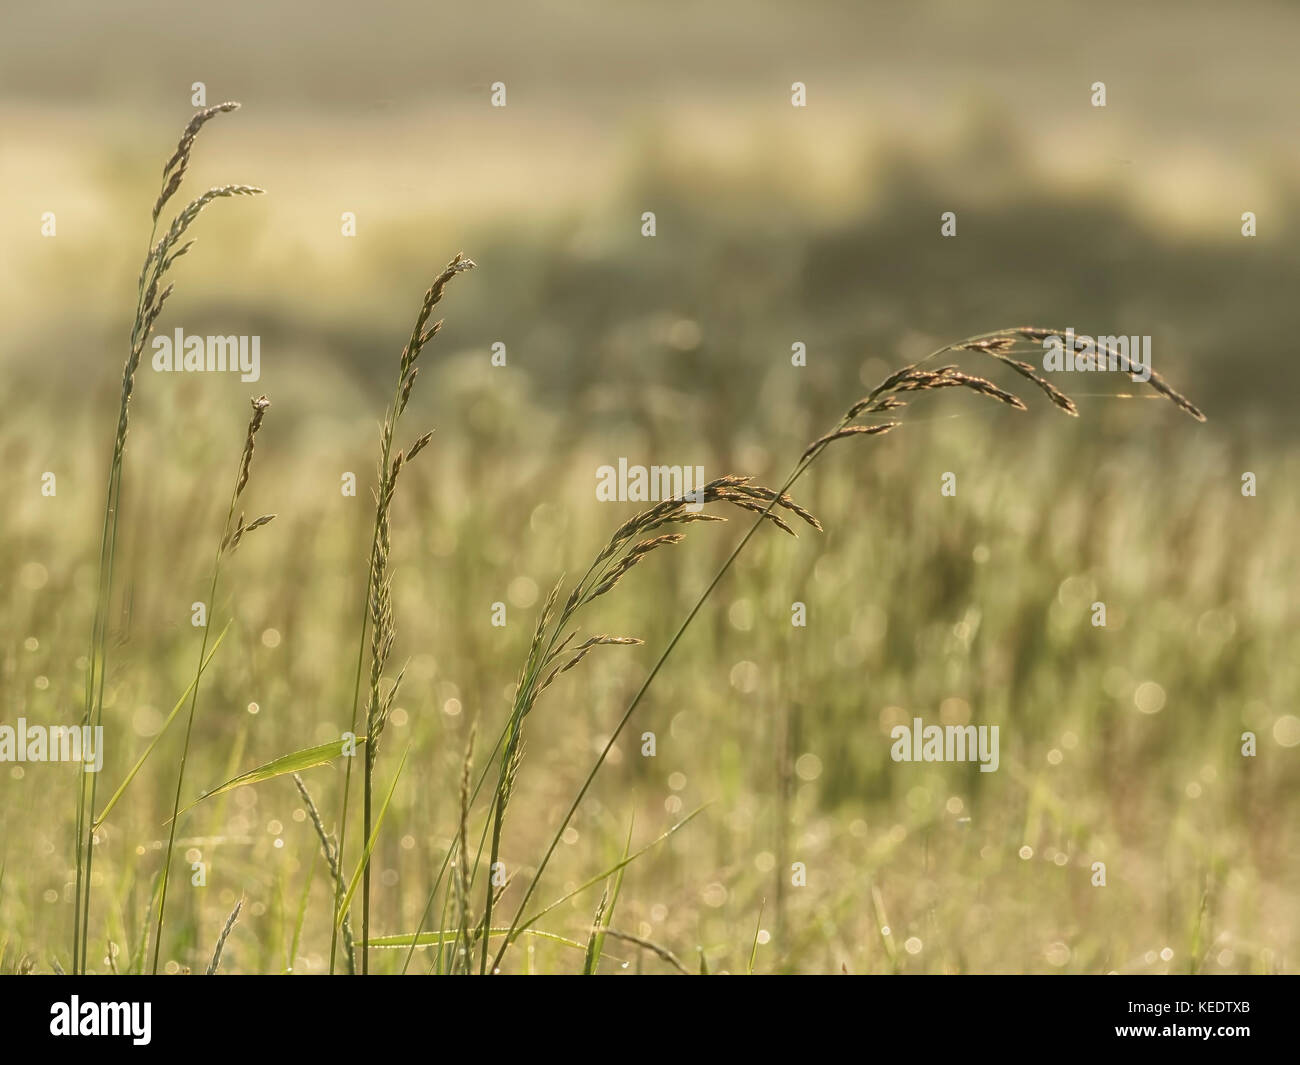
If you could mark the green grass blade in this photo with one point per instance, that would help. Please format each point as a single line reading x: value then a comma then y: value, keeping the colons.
x: 142, y: 944
x: 435, y: 938
x: 758, y: 926
x: 154, y: 742
x: 296, y: 762
x: 608, y: 872
x: 302, y: 918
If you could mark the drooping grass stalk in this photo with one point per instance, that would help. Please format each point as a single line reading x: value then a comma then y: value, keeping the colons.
x: 1001, y: 346
x: 549, y: 655
x: 526, y: 692
x: 377, y: 617
x: 645, y: 944
x: 232, y: 531
x: 151, y: 295
x: 619, y: 556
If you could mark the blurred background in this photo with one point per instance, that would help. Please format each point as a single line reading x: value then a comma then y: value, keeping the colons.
x: 775, y: 225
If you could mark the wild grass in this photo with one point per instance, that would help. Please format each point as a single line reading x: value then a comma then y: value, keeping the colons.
x: 556, y: 647
x: 152, y: 292
x: 233, y: 530
x: 377, y: 617
x: 884, y: 400
x: 554, y: 650
x: 553, y: 653
x: 452, y: 871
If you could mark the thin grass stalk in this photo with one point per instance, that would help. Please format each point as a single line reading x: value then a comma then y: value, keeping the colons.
x: 376, y: 620
x: 230, y: 538
x: 525, y: 694
x: 620, y: 555
x: 352, y: 728
x: 462, y: 859
x: 618, y: 730
x: 451, y: 850
x: 98, y: 643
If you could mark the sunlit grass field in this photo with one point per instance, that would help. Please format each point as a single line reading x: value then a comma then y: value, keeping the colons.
x: 805, y: 847
x: 1120, y: 744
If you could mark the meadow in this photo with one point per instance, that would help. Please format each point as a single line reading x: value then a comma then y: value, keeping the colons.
x: 773, y: 832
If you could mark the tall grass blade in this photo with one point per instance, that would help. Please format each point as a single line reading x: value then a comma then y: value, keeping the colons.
x: 296, y: 762
x: 130, y: 776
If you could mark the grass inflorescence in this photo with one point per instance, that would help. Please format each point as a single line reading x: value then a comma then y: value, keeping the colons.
x: 377, y: 619
x: 152, y: 291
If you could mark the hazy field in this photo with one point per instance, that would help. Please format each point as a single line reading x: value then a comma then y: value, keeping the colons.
x: 1119, y: 744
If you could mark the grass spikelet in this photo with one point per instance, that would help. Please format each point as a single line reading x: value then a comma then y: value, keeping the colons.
x: 174, y: 171
x: 330, y: 852
x: 1059, y: 399
x: 1177, y: 398
x: 221, y: 940
x: 758, y: 491
x: 764, y: 512
x: 582, y: 651
x: 840, y: 434
x: 1156, y: 381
